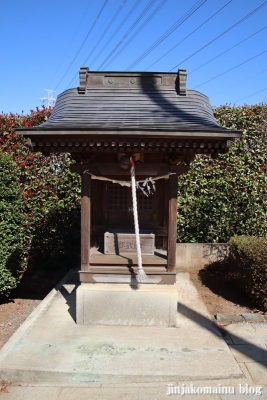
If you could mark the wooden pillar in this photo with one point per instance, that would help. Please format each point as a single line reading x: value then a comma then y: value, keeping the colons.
x: 85, y: 221
x: 165, y: 212
x: 172, y: 225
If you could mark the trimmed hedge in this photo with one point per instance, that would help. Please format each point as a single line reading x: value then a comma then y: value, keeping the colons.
x: 10, y: 223
x: 248, y: 255
x: 45, y: 236
x: 224, y: 197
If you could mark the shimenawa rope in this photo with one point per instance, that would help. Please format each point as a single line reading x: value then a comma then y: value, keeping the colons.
x: 141, y: 275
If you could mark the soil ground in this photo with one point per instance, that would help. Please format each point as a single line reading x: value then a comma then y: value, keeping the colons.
x: 12, y: 314
x: 217, y: 290
x: 22, y: 302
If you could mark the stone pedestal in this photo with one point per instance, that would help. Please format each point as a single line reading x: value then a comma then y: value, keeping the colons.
x: 121, y: 304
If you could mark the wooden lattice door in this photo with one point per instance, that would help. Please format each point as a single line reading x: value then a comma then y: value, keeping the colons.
x: 147, y: 211
x: 117, y: 213
x: 119, y: 208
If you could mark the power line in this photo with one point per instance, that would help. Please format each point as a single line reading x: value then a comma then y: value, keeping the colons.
x: 189, y: 34
x: 117, y: 30
x: 168, y: 33
x: 250, y: 95
x: 106, y: 30
x: 244, y: 80
x: 230, y: 48
x: 139, y: 30
x: 236, y: 66
x: 67, y: 51
x: 140, y: 16
x: 86, y: 37
x: 110, y: 38
x: 222, y: 34
x: 143, y: 13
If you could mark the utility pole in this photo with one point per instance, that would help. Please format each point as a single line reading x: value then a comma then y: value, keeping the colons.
x: 50, y: 99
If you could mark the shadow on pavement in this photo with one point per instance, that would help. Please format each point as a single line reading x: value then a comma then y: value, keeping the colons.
x: 248, y: 349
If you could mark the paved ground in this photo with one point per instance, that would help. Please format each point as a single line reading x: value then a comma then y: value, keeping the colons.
x: 50, y: 357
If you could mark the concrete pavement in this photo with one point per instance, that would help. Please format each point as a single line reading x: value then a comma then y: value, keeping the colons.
x: 52, y: 357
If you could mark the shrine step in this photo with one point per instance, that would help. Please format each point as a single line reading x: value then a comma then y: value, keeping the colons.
x: 126, y: 275
x: 126, y: 269
x: 102, y: 259
x: 123, y: 278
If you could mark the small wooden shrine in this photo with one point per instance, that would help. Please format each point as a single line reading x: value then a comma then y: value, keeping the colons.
x: 156, y: 119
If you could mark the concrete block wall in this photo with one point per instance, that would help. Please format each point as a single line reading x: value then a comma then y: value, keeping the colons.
x: 198, y: 255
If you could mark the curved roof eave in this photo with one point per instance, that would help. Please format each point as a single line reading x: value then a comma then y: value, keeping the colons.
x: 119, y: 103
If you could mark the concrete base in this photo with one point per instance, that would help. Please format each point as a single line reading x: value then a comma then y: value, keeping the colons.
x: 49, y: 348
x: 113, y: 304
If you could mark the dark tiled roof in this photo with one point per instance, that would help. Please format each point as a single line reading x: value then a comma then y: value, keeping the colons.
x: 121, y: 108
x: 143, y: 103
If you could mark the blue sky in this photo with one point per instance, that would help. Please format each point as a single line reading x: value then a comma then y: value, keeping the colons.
x: 44, y: 43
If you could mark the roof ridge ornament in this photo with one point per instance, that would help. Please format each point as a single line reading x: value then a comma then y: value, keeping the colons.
x: 181, y: 82
x: 83, y: 74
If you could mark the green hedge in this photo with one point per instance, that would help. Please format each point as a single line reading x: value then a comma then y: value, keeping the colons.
x: 45, y: 236
x: 10, y: 224
x: 248, y: 256
x: 223, y: 197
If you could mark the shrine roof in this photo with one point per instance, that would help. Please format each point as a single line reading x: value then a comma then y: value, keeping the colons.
x: 130, y: 102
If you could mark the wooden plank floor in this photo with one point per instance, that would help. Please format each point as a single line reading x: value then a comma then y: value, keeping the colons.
x: 98, y: 258
x: 126, y: 269
x: 126, y: 265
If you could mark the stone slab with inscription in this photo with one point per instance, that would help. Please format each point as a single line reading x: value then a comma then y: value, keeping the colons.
x: 124, y: 243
